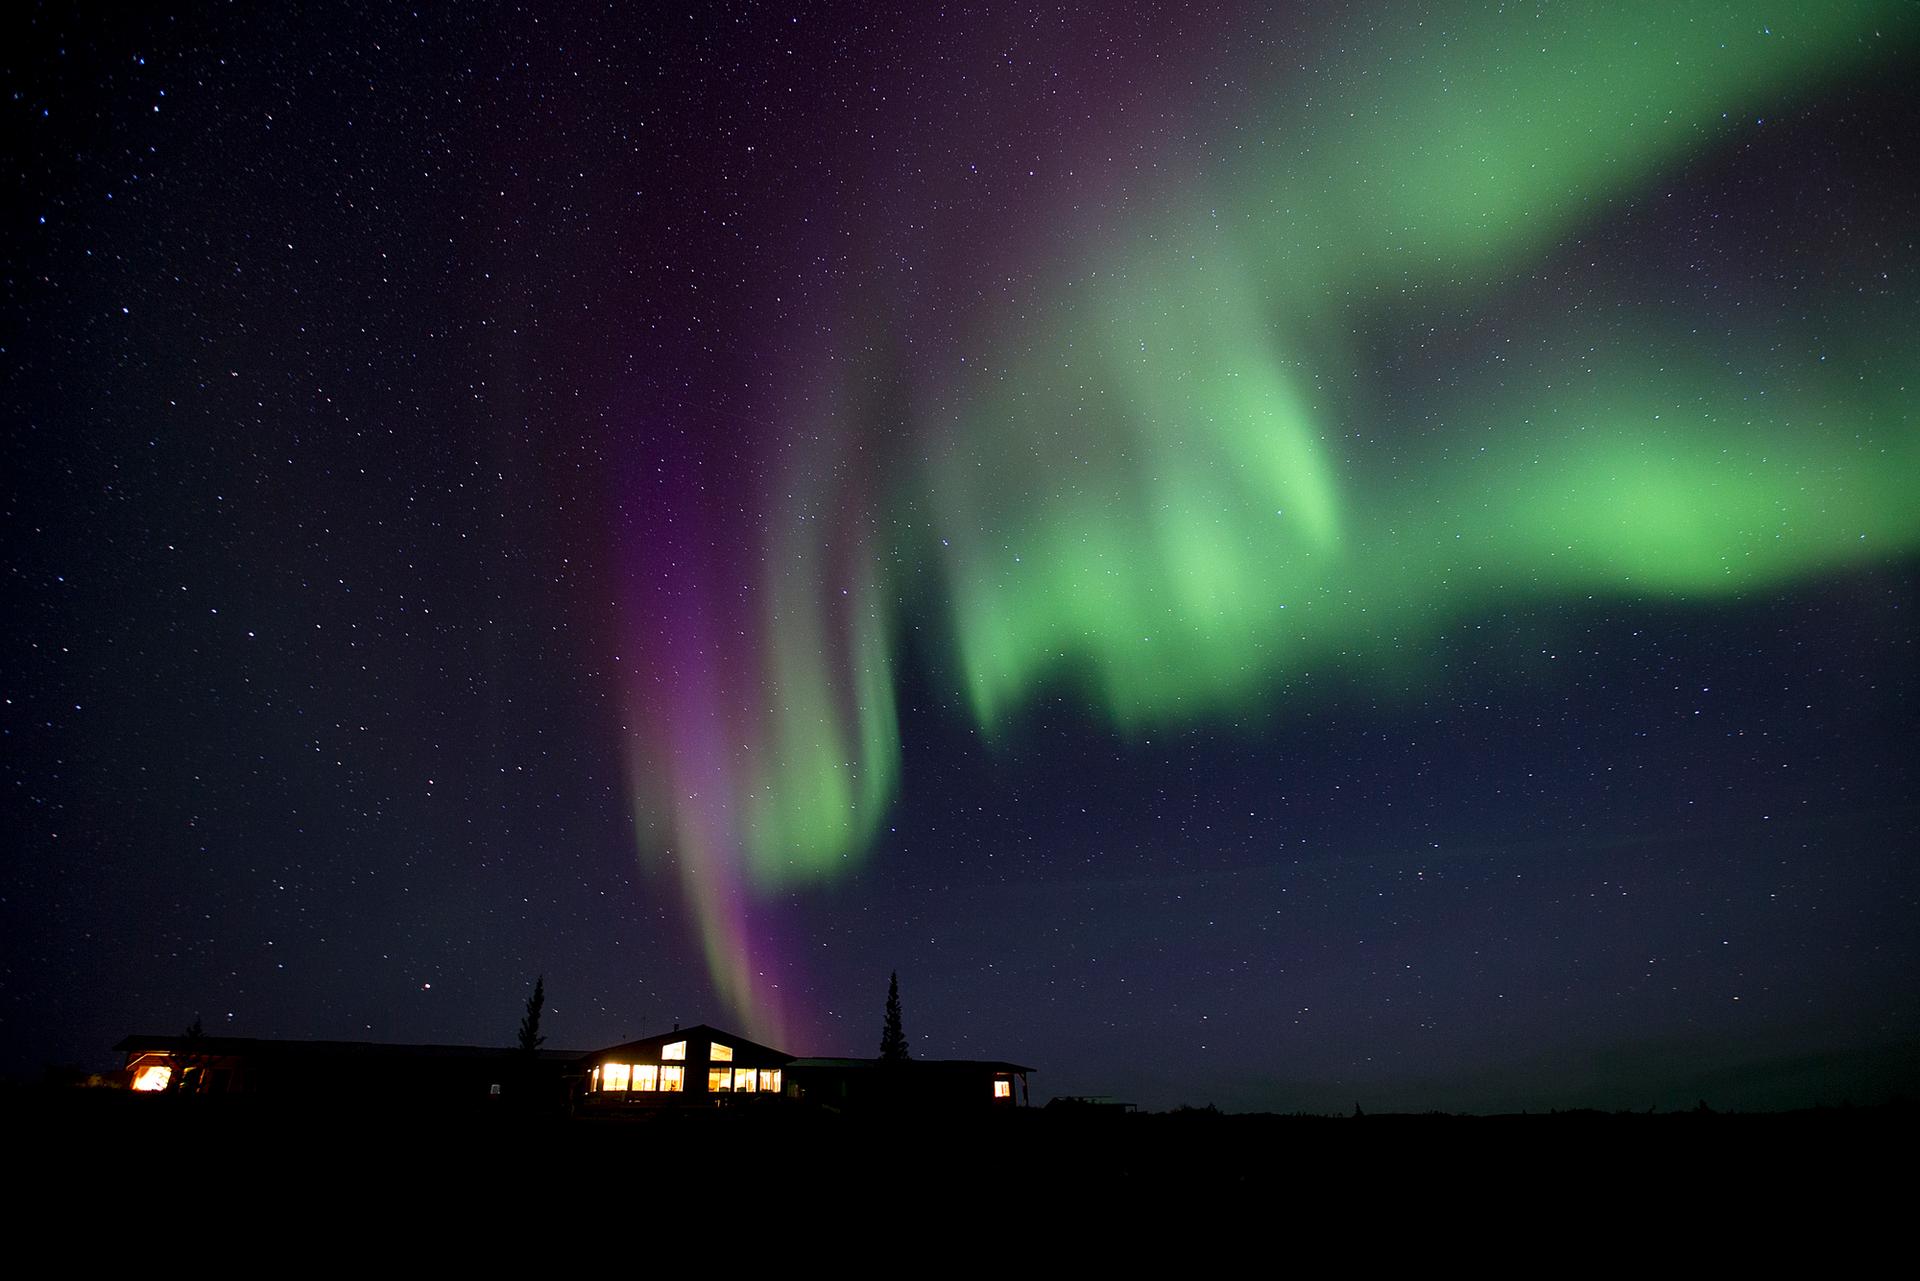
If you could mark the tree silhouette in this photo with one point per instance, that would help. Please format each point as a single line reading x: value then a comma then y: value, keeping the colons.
x: 525, y: 1091
x: 530, y: 1037
x: 893, y: 1041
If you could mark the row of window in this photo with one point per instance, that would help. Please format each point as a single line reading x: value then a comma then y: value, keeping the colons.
x: 744, y: 1081
x: 620, y: 1078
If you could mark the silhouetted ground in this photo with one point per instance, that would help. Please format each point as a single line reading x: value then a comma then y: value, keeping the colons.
x: 241, y: 1153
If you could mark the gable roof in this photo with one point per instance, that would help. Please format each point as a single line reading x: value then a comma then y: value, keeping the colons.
x: 699, y: 1032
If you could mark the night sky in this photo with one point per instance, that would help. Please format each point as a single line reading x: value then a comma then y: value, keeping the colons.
x: 1276, y: 559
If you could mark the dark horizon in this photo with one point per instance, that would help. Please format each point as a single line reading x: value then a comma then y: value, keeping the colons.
x: 1670, y: 1079
x: 1266, y: 556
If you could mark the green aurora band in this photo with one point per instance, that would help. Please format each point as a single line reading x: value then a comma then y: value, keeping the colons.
x: 1166, y: 485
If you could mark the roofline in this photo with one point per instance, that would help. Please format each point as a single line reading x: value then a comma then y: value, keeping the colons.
x: 997, y: 1065
x: 172, y: 1042
x: 230, y: 1045
x: 698, y: 1031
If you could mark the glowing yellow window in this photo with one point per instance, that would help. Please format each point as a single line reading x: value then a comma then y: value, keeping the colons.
x: 646, y: 1076
x: 770, y: 1081
x: 677, y: 1050
x: 719, y: 1080
x: 152, y: 1078
x: 718, y: 1053
x: 673, y: 1080
x: 744, y: 1080
x: 1003, y: 1089
x: 614, y: 1076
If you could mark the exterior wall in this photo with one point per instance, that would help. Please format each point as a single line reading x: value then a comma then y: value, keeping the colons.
x: 328, y: 1077
x: 937, y: 1086
x: 365, y: 1077
x: 200, y: 1074
x: 698, y: 1068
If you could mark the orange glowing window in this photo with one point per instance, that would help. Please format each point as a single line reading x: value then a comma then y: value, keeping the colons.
x: 152, y: 1078
x: 1003, y: 1089
x: 719, y: 1080
x: 673, y: 1080
x: 770, y: 1081
x: 646, y: 1076
x: 745, y: 1081
x: 614, y: 1076
x: 718, y: 1053
x: 676, y: 1051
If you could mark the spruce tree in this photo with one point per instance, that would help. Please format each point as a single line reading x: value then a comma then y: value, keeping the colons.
x: 893, y: 1041
x: 526, y: 1090
x: 530, y: 1037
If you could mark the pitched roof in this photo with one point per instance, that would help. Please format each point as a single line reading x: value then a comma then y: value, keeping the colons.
x: 257, y: 1047
x: 951, y: 1065
x: 698, y: 1032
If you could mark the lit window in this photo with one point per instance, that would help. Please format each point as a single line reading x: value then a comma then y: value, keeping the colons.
x: 718, y: 1053
x: 678, y: 1050
x: 744, y: 1080
x: 672, y: 1080
x: 719, y: 1080
x: 613, y: 1076
x: 646, y: 1076
x: 1003, y: 1089
x: 152, y: 1078
x: 770, y: 1081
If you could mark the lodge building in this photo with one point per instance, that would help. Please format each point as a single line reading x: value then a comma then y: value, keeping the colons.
x: 699, y: 1060
x: 699, y: 1066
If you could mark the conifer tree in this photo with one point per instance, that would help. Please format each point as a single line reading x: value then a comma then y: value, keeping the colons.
x: 893, y: 1041
x: 530, y: 1037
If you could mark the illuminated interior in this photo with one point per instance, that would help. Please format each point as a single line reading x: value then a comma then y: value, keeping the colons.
x: 152, y: 1078
x: 631, y: 1079
x: 667, y: 1078
x: 614, y: 1077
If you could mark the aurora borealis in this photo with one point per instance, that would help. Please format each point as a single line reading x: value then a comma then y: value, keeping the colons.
x: 1376, y: 541
x: 1163, y: 472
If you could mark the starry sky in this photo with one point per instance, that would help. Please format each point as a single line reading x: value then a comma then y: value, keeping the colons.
x: 1258, y: 554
